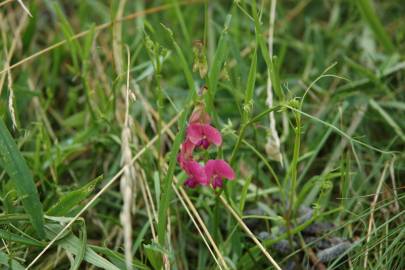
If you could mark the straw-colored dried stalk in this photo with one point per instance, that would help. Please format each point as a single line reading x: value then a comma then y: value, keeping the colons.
x: 273, y: 139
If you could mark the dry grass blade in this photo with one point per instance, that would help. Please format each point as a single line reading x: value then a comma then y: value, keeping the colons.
x: 273, y: 139
x: 24, y: 7
x: 372, y: 210
x: 101, y: 192
x: 8, y: 56
x: 97, y: 29
x: 394, y: 186
x: 150, y: 207
x: 11, y: 100
x: 10, y: 52
x: 249, y: 232
x: 357, y: 118
x: 202, y: 224
x: 128, y: 179
x: 180, y: 196
x: 189, y: 206
x: 315, y: 145
x: 5, y: 2
x: 127, y: 189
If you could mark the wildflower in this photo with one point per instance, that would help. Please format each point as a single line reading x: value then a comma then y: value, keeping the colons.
x: 216, y: 170
x: 196, y: 173
x: 186, y: 152
x: 202, y: 135
x: 191, y: 182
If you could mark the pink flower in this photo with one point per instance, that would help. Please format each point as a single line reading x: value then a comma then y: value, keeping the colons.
x: 196, y: 174
x: 202, y: 135
x: 191, y: 182
x: 216, y: 170
x: 186, y: 152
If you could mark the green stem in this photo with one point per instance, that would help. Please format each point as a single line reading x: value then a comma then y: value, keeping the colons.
x: 238, y: 142
x: 293, y: 174
x: 243, y: 129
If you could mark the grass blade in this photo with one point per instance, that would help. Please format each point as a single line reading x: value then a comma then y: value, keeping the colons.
x: 20, y: 239
x: 250, y: 88
x: 72, y: 244
x: 183, y: 61
x: 367, y: 11
x: 388, y: 119
x: 117, y: 258
x: 219, y: 58
x: 272, y: 68
x: 166, y: 189
x: 82, y: 248
x: 72, y: 199
x: 9, y: 262
x: 18, y: 171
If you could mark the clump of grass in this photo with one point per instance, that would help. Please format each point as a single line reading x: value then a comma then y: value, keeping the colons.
x: 328, y: 196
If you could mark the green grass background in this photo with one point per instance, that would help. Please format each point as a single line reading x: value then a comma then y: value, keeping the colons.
x: 63, y: 75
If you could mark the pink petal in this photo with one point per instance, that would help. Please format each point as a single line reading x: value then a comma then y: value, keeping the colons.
x: 209, y: 168
x: 187, y: 149
x: 223, y: 169
x: 195, y: 133
x: 204, y: 143
x: 212, y: 134
x: 196, y: 171
x: 217, y: 182
x: 180, y: 160
x: 186, y: 153
x: 191, y: 183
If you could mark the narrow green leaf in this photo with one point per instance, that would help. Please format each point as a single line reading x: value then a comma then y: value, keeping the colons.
x: 272, y: 67
x: 364, y: 83
x: 18, y: 171
x: 7, y: 218
x: 20, y: 239
x: 186, y: 67
x: 367, y: 11
x: 72, y: 244
x: 250, y: 87
x: 219, y: 59
x: 68, y: 33
x: 244, y: 194
x: 85, y: 52
x: 140, y: 237
x: 154, y: 255
x: 72, y: 199
x: 181, y: 20
x: 320, y: 144
x: 9, y: 262
x: 118, y: 259
x: 166, y: 188
x: 82, y: 248
x: 388, y: 119
x: 166, y: 194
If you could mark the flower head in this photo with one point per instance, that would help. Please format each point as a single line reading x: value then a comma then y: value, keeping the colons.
x: 191, y: 182
x: 196, y: 174
x: 186, y: 152
x: 216, y: 170
x: 202, y: 135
